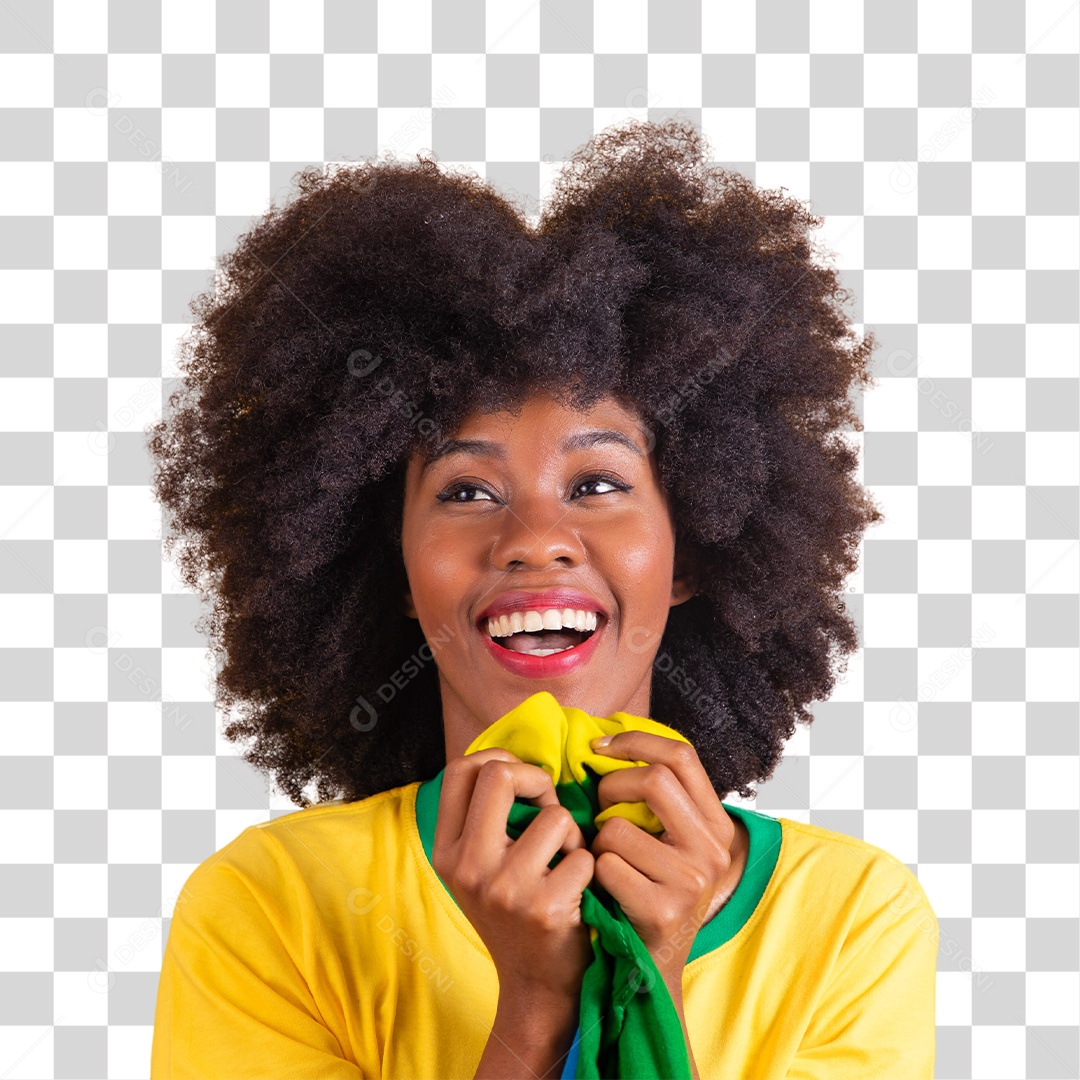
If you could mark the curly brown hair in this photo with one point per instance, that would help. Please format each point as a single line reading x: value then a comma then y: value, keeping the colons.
x: 362, y: 320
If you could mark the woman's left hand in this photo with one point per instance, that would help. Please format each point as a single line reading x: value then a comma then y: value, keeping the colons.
x: 668, y: 885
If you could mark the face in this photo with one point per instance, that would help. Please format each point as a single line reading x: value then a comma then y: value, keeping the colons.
x: 519, y: 517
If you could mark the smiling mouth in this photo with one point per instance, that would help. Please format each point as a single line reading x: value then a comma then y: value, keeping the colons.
x: 543, y: 642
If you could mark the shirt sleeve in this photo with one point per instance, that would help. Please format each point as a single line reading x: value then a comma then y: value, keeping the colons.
x: 877, y: 1014
x: 232, y: 1001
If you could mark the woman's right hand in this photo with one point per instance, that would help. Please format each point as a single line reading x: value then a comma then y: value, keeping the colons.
x: 528, y: 916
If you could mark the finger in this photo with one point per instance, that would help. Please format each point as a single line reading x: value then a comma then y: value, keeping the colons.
x: 659, y: 788
x: 459, y: 779
x: 680, y: 757
x: 552, y: 830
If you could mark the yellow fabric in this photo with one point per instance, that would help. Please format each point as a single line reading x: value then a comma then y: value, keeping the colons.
x: 321, y: 945
x: 558, y: 737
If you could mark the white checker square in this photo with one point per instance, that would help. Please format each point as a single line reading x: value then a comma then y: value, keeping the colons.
x: 1053, y: 783
x: 1052, y: 675
x: 134, y: 836
x: 406, y: 130
x: 26, y: 944
x: 943, y: 133
x: 81, y: 998
x: 134, y: 621
x: 997, y: 727
x: 1052, y: 26
x: 673, y: 77
x: 188, y: 26
x: 27, y: 78
x: 296, y: 134
x: 998, y: 943
x: 944, y: 457
x: 836, y: 782
x: 998, y: 836
x: 732, y: 132
x: 80, y: 890
x: 997, y: 296
x: 899, y: 504
x: 79, y: 675
x: 186, y: 674
x: 457, y: 78
x: 128, y: 1048
x: 229, y: 824
x: 188, y: 242
x: 891, y: 404
x: 242, y: 188
x: 26, y: 836
x: 80, y: 242
x: 72, y: 464
x: 952, y: 998
x: 297, y: 28
x: 135, y: 80
x: 566, y: 80
x: 351, y: 80
x: 891, y: 296
x: 80, y: 349
x: 944, y: 352
x: 890, y: 188
x: 836, y: 134
x: 725, y: 28
x: 944, y: 567
x: 242, y: 80
x: 836, y: 26
x: 80, y: 781
x: 188, y: 782
x: 132, y: 404
x: 1052, y: 566
x: 891, y: 727
x: 944, y: 242
x: 188, y: 134
x: 999, y: 404
x: 944, y: 28
x: 890, y: 620
x: 27, y: 187
x: 998, y: 511
x: 1053, y: 134
x: 134, y: 727
x: 134, y: 943
x: 890, y: 80
x: 80, y: 135
x: 782, y: 81
x: 1001, y: 620
x: 1052, y: 891
x: 1052, y: 242
x: 80, y: 26
x: 794, y: 176
x: 944, y: 780
x: 895, y: 831
x: 134, y: 188
x: 27, y: 405
x: 998, y: 80
x: 405, y: 25
x: 30, y: 732
x: 998, y: 187
x: 1052, y: 458
x: 948, y: 888
x: 174, y: 877
x: 134, y: 296
x: 840, y: 239
x: 1053, y: 998
x: 515, y: 131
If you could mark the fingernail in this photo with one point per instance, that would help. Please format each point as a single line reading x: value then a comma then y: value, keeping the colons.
x: 603, y: 740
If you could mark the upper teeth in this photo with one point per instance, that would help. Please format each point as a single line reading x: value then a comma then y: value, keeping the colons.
x: 552, y: 619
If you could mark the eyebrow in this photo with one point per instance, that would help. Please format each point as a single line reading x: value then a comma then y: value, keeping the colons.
x: 579, y: 440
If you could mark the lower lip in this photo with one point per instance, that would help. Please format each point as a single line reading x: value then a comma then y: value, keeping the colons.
x: 544, y: 667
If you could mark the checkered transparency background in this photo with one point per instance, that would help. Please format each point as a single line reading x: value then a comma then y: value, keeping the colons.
x: 940, y: 142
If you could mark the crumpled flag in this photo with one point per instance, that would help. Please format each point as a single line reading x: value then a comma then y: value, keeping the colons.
x: 628, y: 1024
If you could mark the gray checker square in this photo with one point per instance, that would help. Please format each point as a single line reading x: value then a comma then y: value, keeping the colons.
x: 134, y: 26
x: 1053, y: 620
x: 674, y: 27
x: 457, y: 28
x: 1052, y: 187
x: 80, y: 187
x: 187, y: 836
x: 129, y: 460
x: 944, y: 79
x: 188, y: 187
x: 296, y: 80
x: 1053, y: 296
x: 566, y: 26
x: 80, y: 404
x: 727, y: 79
x: 76, y: 76
x: 239, y: 786
x: 243, y: 135
x: 1052, y: 836
x: 997, y: 566
x: 890, y: 783
x: 135, y: 242
x: 1053, y: 80
x: 243, y: 26
x: 1053, y: 404
x: 513, y: 79
x: 79, y: 727
x: 26, y: 26
x: 783, y: 26
x: 80, y: 836
x: 836, y: 80
x: 783, y: 134
x: 788, y: 786
x: 80, y: 944
x: 998, y: 243
x: 80, y: 513
x: 944, y: 620
x: 134, y: 350
x: 1052, y: 513
x: 944, y: 836
x: 617, y: 78
x: 997, y: 134
x: 187, y: 727
x: 998, y: 350
x: 895, y: 350
x: 944, y: 187
x: 1053, y: 727
x: 134, y: 782
x: 998, y: 783
x: 997, y: 26
x: 998, y: 890
x: 188, y: 80
x: 890, y: 674
x: 945, y: 727
x: 26, y: 134
x: 134, y: 890
x: 1000, y: 1000
x: 889, y: 134
x: 561, y: 131
x: 28, y: 892
x: 890, y: 28
x: 890, y: 566
x: 945, y: 296
x: 1053, y: 944
x: 997, y: 674
x: 134, y: 674
x: 80, y: 620
x: 890, y: 457
x: 836, y: 187
x: 404, y: 79
x: 837, y: 728
x: 944, y: 512
x: 178, y: 288
x: 80, y: 296
x: 999, y: 457
x: 891, y: 243
x: 349, y: 134
x: 134, y: 134
x: 459, y: 134
x: 132, y: 997
x: 80, y: 1053
x: 26, y: 782
x: 1051, y: 1052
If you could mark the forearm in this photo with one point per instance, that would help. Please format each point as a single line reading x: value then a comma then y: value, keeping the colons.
x: 530, y: 1039
x: 676, y: 997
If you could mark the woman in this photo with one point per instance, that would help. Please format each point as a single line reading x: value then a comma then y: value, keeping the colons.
x: 410, y: 419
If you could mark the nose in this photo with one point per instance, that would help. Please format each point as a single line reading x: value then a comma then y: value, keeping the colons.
x: 535, y: 534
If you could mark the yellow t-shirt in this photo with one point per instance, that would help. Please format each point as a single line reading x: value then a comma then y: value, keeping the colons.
x: 322, y: 945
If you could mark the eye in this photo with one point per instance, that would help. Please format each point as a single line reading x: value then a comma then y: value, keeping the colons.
x: 452, y: 493
x: 618, y: 485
